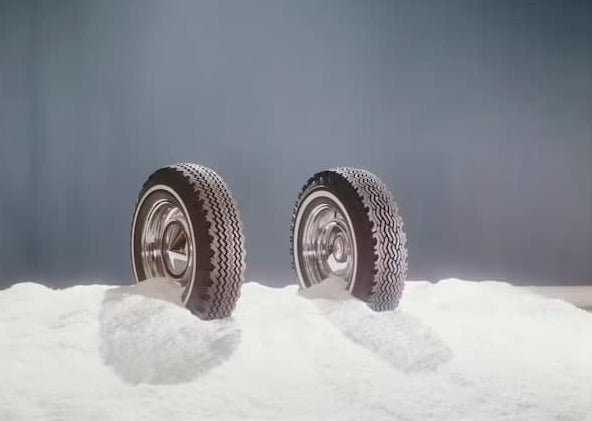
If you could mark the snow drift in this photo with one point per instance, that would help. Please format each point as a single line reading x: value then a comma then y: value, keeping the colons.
x: 452, y: 350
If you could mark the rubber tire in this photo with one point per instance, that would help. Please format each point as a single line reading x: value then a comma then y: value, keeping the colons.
x: 378, y: 227
x: 218, y: 232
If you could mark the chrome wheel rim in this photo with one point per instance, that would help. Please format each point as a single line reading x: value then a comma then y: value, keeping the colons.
x: 324, y: 241
x: 167, y: 245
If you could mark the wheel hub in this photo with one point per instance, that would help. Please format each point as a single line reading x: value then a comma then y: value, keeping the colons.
x: 175, y: 248
x: 340, y: 248
x: 166, y: 240
x: 325, y: 240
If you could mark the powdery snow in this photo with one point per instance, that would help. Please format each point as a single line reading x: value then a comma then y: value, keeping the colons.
x: 453, y: 350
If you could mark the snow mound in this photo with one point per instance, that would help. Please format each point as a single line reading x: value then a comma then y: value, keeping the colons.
x: 149, y: 340
x: 452, y: 350
x: 399, y: 338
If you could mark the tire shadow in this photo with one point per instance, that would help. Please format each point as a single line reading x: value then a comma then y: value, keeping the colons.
x: 148, y: 336
x: 403, y: 340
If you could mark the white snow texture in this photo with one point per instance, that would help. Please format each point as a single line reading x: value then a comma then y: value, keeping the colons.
x: 454, y: 350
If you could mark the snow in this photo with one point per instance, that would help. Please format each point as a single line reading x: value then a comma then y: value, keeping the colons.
x: 455, y: 350
x: 579, y: 295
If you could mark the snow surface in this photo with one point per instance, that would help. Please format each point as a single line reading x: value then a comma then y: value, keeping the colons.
x: 454, y: 350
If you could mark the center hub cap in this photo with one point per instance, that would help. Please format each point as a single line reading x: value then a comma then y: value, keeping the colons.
x: 175, y: 247
x: 339, y: 249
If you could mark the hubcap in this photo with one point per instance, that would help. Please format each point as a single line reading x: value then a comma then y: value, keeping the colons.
x: 324, y: 240
x: 175, y: 248
x: 167, y: 243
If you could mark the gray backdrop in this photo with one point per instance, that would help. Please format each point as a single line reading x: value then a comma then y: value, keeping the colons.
x: 477, y: 114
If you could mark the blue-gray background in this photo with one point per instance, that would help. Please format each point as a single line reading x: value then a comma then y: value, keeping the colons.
x: 477, y: 114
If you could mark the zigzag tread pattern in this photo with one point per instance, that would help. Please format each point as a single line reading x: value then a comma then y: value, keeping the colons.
x: 226, y: 240
x: 293, y: 220
x: 390, y: 248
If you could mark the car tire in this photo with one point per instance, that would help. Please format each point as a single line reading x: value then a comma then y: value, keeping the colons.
x: 346, y: 223
x: 187, y: 228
